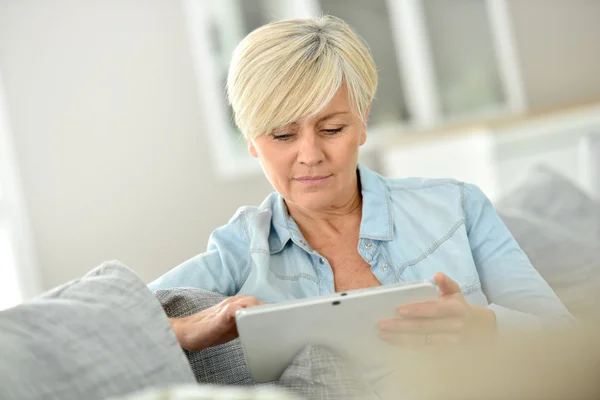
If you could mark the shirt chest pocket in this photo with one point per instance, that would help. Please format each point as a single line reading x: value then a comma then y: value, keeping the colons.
x: 450, y: 255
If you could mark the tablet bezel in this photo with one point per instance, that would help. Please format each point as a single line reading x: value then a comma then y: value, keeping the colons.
x: 272, y: 335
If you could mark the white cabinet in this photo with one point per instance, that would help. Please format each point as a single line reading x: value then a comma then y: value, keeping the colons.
x: 469, y: 158
x: 498, y: 158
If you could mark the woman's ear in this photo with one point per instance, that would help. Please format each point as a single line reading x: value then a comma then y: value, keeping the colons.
x: 251, y: 148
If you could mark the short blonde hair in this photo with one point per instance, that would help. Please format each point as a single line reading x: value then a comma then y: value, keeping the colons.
x: 288, y: 70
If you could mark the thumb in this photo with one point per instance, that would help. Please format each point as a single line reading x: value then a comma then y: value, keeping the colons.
x: 446, y: 285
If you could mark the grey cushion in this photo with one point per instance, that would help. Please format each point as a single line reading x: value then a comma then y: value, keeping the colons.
x: 314, y: 374
x: 557, y: 224
x: 548, y: 195
x: 100, y: 336
x: 569, y: 263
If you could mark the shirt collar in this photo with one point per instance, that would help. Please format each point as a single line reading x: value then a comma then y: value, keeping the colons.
x: 376, y: 220
x: 280, y: 233
x: 376, y: 223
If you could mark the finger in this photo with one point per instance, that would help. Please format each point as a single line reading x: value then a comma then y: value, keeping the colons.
x: 432, y: 309
x: 233, y: 299
x: 227, y: 314
x: 247, y: 301
x: 239, y: 299
x: 446, y: 285
x: 422, y: 326
x: 243, y: 302
x: 421, y: 341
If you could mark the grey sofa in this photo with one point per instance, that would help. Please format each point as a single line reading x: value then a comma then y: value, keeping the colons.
x: 557, y: 224
x: 106, y: 335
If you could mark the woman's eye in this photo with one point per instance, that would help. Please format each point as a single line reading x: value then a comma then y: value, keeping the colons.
x: 283, y: 137
x: 333, y: 131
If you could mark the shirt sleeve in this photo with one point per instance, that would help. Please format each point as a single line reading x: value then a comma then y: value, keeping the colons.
x: 518, y: 295
x: 223, y: 268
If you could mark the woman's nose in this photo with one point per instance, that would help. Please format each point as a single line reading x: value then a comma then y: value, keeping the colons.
x: 310, y: 152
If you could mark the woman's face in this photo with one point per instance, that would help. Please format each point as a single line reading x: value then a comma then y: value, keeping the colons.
x: 312, y: 163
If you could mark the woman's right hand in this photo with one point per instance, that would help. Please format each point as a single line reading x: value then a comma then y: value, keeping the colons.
x: 213, y: 326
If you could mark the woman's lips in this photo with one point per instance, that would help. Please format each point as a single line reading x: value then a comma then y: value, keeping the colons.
x: 313, y: 180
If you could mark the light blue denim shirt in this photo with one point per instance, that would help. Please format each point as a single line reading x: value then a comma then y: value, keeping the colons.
x: 410, y: 229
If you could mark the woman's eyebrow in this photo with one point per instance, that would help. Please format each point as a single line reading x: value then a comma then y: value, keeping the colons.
x: 285, y: 127
x: 333, y: 114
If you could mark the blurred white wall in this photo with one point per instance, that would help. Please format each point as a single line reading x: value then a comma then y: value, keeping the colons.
x: 109, y: 134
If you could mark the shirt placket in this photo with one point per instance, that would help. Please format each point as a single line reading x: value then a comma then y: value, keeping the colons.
x: 380, y: 267
x: 321, y: 266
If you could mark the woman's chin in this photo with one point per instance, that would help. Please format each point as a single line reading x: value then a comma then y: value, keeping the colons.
x: 315, y: 202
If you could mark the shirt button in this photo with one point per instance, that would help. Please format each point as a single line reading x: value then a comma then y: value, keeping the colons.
x: 368, y: 245
x: 321, y: 260
x: 302, y: 242
x: 385, y: 267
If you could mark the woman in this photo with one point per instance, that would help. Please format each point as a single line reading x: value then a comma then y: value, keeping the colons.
x: 301, y: 92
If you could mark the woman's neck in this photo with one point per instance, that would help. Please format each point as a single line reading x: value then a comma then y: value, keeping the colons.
x: 332, y: 221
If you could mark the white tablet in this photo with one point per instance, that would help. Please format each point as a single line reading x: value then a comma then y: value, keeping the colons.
x: 347, y: 323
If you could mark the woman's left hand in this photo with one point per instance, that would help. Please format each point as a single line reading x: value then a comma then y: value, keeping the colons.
x: 439, y: 324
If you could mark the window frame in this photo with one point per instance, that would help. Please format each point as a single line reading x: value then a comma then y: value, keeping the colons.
x: 13, y: 215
